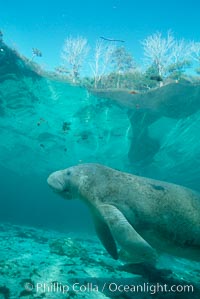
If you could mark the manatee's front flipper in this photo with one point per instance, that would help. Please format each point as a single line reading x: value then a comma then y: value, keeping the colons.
x: 105, y: 235
x: 125, y: 235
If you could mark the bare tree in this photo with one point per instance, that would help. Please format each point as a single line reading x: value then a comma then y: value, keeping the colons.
x: 157, y: 50
x: 168, y: 56
x: 195, y: 51
x: 195, y: 54
x: 74, y: 53
x: 180, y: 51
x: 102, y: 61
x: 179, y: 59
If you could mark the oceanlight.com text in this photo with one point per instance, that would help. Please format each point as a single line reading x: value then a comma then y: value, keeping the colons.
x: 107, y: 287
x: 150, y: 288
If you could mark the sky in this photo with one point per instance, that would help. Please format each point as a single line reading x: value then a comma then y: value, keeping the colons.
x: 46, y: 24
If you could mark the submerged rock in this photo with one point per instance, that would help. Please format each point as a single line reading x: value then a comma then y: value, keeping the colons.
x: 68, y: 247
x: 5, y: 292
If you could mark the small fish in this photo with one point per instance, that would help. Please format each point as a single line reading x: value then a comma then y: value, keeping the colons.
x: 133, y: 92
x: 137, y: 106
x: 41, y: 120
x: 156, y: 78
x: 66, y: 126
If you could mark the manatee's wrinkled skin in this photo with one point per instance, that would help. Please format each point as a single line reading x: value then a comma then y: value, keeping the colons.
x: 141, y: 215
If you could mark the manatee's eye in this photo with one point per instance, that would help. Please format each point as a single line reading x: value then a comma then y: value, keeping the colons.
x: 68, y: 172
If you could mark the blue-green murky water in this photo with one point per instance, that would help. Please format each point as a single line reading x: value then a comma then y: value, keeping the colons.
x: 48, y: 124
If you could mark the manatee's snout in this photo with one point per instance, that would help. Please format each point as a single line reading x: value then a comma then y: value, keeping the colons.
x: 56, y: 181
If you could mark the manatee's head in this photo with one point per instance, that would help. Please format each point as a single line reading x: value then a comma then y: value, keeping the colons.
x: 72, y: 181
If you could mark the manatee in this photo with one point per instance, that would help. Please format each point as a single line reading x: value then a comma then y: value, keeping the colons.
x: 175, y: 101
x: 142, y: 216
x: 172, y: 100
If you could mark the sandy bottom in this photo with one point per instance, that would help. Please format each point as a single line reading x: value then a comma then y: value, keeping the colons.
x: 42, y: 263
